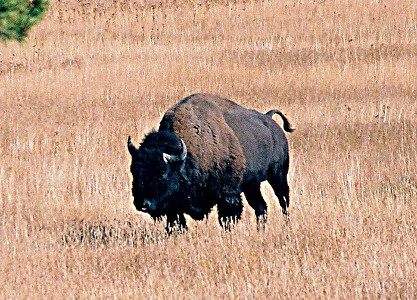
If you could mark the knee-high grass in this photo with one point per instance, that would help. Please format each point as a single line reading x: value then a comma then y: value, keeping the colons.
x: 92, y: 73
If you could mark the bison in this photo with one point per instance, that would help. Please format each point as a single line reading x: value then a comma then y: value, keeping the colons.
x: 207, y: 151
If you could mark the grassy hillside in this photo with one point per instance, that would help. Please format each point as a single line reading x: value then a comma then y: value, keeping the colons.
x: 92, y: 73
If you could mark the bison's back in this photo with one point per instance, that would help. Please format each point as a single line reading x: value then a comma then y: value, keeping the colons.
x: 220, y: 133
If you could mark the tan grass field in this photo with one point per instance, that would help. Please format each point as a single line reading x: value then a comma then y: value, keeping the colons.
x: 93, y: 72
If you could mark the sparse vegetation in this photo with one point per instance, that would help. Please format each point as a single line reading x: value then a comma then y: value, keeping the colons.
x: 92, y: 73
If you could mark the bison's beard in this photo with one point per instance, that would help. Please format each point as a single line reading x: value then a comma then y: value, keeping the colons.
x: 169, y: 205
x: 157, y: 214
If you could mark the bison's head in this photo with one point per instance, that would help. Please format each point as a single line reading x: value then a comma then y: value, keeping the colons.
x: 158, y: 173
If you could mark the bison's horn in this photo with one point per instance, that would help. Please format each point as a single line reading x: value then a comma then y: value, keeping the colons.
x: 175, y: 158
x: 131, y: 147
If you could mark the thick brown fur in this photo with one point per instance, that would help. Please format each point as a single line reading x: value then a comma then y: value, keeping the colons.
x: 199, y: 121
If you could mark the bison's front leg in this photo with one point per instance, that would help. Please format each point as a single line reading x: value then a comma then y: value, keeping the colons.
x: 230, y: 210
x: 175, y: 223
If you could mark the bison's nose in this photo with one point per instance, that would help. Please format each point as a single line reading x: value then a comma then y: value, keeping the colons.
x: 146, y: 205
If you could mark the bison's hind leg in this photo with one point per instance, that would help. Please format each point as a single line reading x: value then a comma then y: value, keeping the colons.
x: 176, y: 223
x: 281, y: 190
x: 254, y: 197
x: 230, y: 210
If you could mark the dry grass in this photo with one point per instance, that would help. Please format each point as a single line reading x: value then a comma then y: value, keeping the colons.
x: 93, y: 73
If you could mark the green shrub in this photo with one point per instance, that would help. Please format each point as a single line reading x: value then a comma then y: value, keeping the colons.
x: 18, y: 16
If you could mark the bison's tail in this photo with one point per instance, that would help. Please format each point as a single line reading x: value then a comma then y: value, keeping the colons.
x: 287, y: 125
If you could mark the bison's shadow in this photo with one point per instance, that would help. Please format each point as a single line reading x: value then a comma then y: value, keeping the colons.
x: 108, y: 232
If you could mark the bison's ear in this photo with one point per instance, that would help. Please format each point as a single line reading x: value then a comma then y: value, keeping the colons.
x: 168, y: 158
x: 132, y: 149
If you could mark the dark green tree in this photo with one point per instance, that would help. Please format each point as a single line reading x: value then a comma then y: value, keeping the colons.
x: 18, y: 16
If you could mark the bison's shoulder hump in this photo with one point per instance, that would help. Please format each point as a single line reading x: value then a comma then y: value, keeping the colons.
x: 199, y: 121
